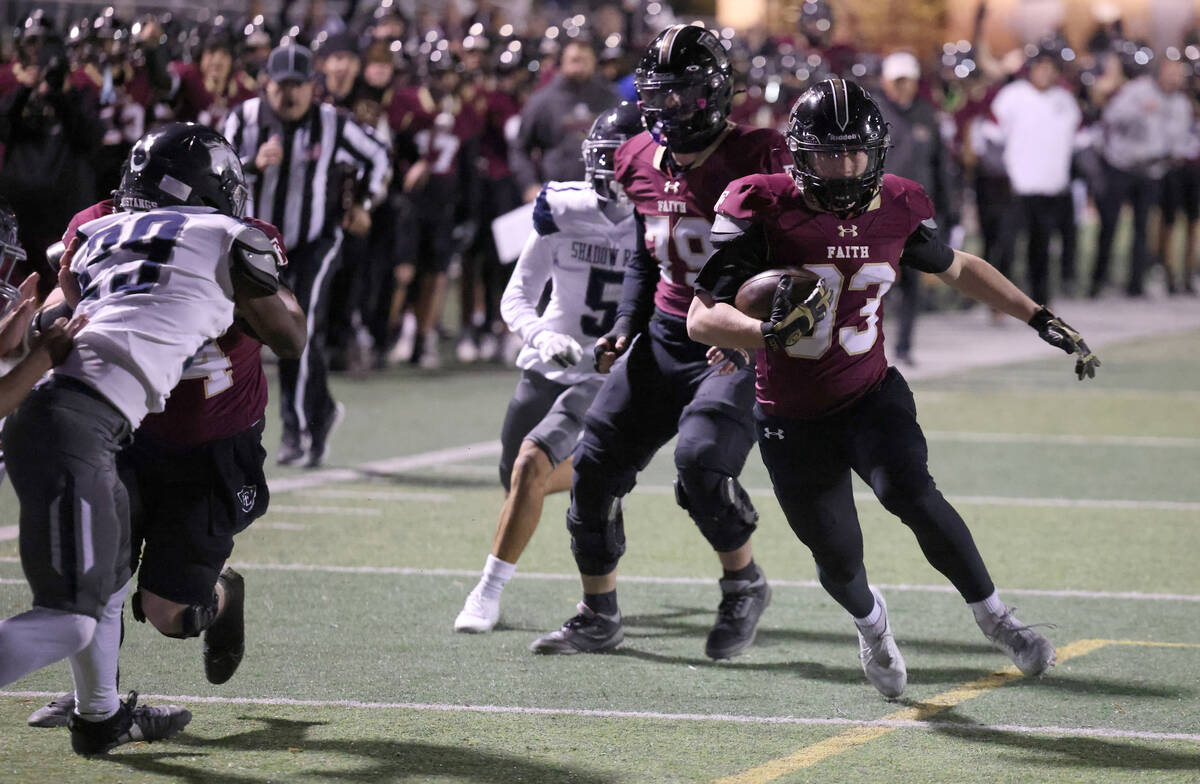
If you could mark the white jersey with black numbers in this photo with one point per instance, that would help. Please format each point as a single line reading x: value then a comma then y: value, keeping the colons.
x: 583, y: 254
x: 155, y: 288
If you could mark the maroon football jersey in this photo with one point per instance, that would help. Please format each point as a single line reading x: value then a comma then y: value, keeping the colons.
x: 223, y: 390
x: 678, y: 208
x: 859, y: 260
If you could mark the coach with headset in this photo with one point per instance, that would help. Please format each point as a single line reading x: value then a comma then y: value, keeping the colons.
x: 304, y: 162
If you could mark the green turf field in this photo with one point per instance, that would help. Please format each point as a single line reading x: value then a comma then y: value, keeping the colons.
x: 1082, y: 497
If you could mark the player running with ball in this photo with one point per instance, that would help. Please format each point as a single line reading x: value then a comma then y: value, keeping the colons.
x: 827, y: 402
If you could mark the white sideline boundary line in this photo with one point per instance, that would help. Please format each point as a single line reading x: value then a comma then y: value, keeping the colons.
x: 410, y: 571
x: 653, y: 715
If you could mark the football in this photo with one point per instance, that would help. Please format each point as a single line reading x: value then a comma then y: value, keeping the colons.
x: 754, y: 296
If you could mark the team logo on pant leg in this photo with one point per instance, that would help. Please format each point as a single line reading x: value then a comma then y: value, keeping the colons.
x: 769, y: 433
x: 247, y: 496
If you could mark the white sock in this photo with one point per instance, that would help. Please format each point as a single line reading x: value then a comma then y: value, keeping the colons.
x: 496, y: 574
x: 872, y: 618
x: 988, y: 610
x: 95, y: 667
x: 33, y: 639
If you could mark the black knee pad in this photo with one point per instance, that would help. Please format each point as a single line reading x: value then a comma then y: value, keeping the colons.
x: 719, y: 506
x: 598, y: 542
x: 194, y: 619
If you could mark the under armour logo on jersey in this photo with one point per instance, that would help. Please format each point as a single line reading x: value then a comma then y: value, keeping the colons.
x: 247, y: 496
x: 844, y: 231
x: 671, y: 187
x: 769, y: 433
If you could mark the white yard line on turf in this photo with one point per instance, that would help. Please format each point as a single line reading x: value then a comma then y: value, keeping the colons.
x: 973, y: 437
x: 1095, y: 732
x: 391, y: 465
x: 993, y: 500
x: 410, y: 571
x: 372, y: 494
x: 356, y: 511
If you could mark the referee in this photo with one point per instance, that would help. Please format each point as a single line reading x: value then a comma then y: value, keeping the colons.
x: 298, y: 155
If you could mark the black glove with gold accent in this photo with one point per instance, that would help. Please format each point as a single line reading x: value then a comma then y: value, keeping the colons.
x: 792, y: 320
x: 1060, y: 334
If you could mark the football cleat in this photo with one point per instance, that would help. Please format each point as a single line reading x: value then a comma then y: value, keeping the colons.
x: 881, y: 659
x: 130, y: 724
x: 225, y: 640
x: 54, y: 713
x: 479, y: 614
x: 290, y: 451
x: 587, y: 632
x: 742, y: 604
x: 1029, y: 650
x: 322, y: 434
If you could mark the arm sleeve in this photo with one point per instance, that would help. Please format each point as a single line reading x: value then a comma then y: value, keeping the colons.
x: 924, y: 250
x: 362, y: 150
x: 741, y: 253
x: 518, y: 306
x: 641, y: 278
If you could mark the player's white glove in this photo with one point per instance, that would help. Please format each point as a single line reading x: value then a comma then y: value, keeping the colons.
x: 563, y: 350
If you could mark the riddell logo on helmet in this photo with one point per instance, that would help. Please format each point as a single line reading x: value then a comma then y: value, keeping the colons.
x: 841, y: 137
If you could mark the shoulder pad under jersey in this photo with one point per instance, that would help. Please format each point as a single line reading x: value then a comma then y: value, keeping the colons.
x: 255, y: 259
x: 564, y: 206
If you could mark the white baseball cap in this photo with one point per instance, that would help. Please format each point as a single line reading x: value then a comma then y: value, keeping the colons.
x: 900, y: 65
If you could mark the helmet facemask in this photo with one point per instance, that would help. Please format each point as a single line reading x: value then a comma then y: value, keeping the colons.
x: 839, y: 179
x: 680, y: 113
x: 12, y: 262
x: 599, y: 164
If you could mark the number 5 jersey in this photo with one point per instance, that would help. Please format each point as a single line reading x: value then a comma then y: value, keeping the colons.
x: 583, y: 254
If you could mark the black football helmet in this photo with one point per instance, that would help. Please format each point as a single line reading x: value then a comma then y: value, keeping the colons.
x: 12, y: 258
x: 608, y: 132
x: 685, y: 88
x: 183, y: 164
x: 838, y: 140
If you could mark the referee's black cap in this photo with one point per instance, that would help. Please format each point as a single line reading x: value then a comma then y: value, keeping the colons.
x: 290, y: 62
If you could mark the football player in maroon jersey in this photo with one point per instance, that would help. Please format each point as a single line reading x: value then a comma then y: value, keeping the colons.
x: 662, y: 384
x: 194, y: 473
x: 827, y: 402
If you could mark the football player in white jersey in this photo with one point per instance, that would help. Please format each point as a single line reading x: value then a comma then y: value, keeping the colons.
x: 583, y: 236
x: 155, y: 281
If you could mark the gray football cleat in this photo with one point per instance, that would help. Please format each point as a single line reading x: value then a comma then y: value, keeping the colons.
x: 881, y: 659
x: 587, y: 632
x: 1029, y: 650
x: 55, y: 712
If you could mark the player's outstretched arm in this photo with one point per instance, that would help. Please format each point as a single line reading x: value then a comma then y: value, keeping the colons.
x: 48, y: 348
x: 981, y: 281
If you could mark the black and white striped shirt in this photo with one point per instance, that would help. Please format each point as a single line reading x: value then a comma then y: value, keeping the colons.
x: 293, y: 194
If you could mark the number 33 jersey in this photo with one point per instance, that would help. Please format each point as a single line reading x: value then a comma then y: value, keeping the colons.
x: 858, y: 258
x: 583, y: 254
x: 155, y: 287
x: 678, y: 206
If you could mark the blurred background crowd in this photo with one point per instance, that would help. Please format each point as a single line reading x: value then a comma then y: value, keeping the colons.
x: 1057, y: 138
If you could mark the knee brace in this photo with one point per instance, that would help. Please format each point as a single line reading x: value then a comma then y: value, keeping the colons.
x: 194, y: 619
x: 719, y: 506
x: 597, y: 542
